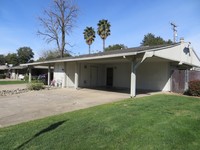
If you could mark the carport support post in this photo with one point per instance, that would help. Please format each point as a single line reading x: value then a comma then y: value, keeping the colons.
x: 64, y: 76
x: 76, y: 75
x: 29, y: 75
x: 49, y: 75
x: 134, y: 65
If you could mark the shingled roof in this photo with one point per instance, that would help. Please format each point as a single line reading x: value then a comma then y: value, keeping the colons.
x: 3, y: 67
x: 113, y: 53
x: 128, y: 50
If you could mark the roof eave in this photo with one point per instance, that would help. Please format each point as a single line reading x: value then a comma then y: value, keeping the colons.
x: 90, y: 57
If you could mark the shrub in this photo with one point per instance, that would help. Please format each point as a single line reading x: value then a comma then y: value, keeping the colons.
x: 26, y: 78
x: 36, y: 85
x: 194, y: 88
x: 2, y: 76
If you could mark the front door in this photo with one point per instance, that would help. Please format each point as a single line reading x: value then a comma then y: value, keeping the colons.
x: 109, y: 81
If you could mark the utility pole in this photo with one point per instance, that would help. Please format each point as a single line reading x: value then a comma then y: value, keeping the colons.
x: 174, y: 26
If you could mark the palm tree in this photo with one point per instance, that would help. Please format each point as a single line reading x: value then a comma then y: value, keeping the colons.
x: 103, y: 30
x: 89, y: 36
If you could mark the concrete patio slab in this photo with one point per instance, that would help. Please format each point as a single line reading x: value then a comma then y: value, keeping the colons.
x: 32, y: 105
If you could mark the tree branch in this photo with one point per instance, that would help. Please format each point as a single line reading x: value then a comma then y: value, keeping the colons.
x: 58, y: 22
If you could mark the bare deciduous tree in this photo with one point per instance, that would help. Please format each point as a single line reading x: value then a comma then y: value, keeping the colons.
x: 58, y: 22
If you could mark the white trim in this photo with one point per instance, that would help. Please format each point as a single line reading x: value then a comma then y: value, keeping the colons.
x: 103, y: 56
x: 49, y: 75
x: 76, y: 76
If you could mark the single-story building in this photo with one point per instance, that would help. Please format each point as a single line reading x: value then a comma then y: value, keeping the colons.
x: 23, y: 70
x: 4, y: 69
x: 141, y: 68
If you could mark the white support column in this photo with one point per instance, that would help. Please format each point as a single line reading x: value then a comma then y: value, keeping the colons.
x: 76, y: 76
x: 49, y: 76
x: 64, y: 76
x: 29, y: 75
x: 133, y: 80
x: 67, y: 75
x: 134, y: 65
x: 17, y: 75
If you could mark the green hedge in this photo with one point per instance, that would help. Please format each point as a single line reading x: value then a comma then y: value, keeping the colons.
x: 194, y: 88
x: 36, y: 85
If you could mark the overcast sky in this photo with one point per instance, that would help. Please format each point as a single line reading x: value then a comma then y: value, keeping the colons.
x: 130, y: 20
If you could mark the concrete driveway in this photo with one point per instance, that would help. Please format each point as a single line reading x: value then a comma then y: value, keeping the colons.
x: 32, y: 105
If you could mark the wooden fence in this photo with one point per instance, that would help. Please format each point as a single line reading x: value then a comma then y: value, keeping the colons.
x: 180, y: 79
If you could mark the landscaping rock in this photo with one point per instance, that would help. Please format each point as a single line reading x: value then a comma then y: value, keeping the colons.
x: 12, y: 92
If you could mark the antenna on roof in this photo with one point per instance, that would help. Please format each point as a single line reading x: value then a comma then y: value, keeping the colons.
x: 174, y: 26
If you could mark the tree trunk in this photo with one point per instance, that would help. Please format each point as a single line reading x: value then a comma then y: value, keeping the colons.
x: 63, y: 26
x: 63, y: 39
x: 104, y: 45
x: 63, y: 45
x: 58, y: 21
x: 89, y: 49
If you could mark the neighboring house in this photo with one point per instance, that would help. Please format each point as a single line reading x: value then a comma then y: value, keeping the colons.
x: 4, y: 71
x: 23, y: 70
x: 17, y: 71
x: 141, y: 68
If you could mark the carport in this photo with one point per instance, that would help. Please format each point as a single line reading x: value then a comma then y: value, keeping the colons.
x: 151, y: 65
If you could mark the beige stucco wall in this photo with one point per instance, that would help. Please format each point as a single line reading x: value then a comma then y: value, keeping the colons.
x: 59, y: 74
x: 91, y: 75
x: 94, y: 75
x: 153, y: 76
x: 70, y: 74
x: 121, y: 77
x: 64, y: 73
x: 182, y: 53
x: 150, y: 75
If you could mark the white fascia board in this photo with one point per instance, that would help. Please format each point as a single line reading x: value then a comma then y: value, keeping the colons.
x: 81, y: 59
x: 94, y: 57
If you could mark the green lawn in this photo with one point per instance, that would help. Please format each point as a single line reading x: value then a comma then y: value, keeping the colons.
x: 12, y: 82
x: 153, y: 122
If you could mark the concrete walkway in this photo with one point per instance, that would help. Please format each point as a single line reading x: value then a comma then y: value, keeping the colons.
x: 32, y: 105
